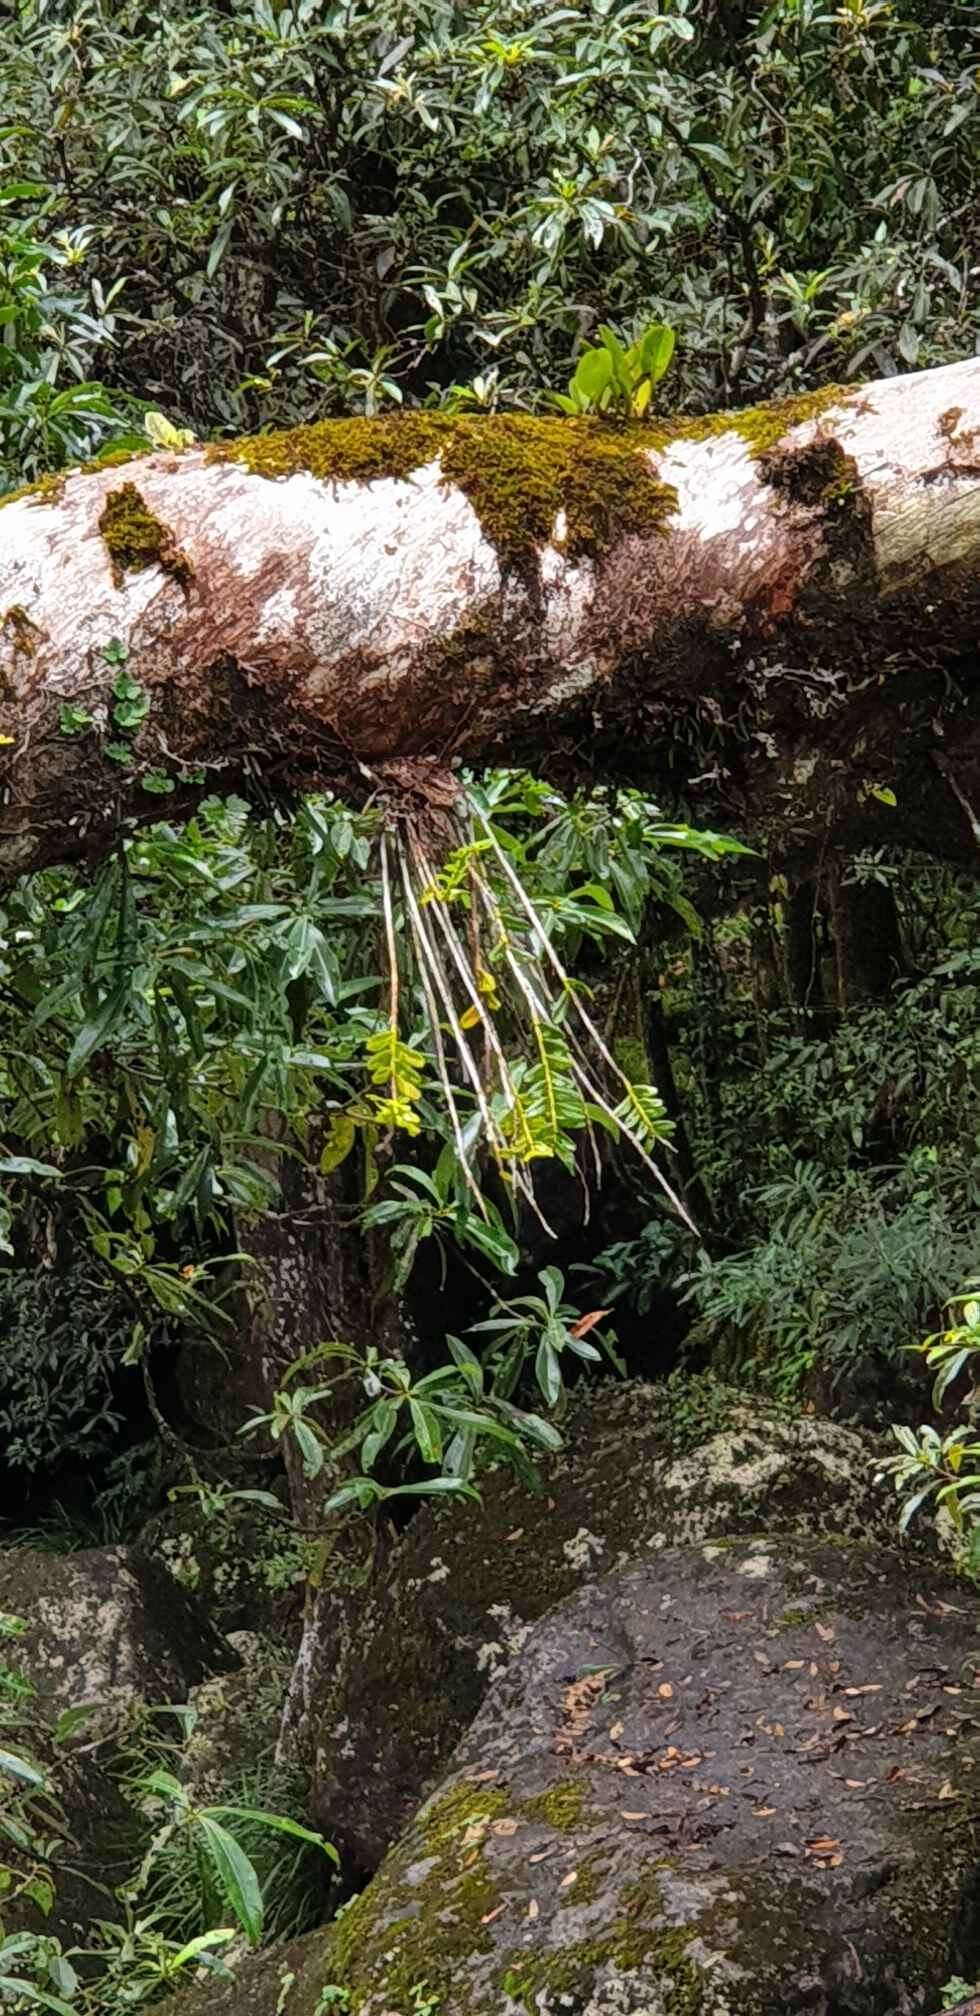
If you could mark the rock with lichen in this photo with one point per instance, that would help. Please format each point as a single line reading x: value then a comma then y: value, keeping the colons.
x: 105, y: 1630
x: 643, y: 1468
x: 106, y: 1627
x: 737, y: 1780
x: 245, y: 1562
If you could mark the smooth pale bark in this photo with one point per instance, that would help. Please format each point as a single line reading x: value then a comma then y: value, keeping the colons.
x: 792, y: 634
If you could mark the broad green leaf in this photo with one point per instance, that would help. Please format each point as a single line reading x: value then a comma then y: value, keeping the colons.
x: 427, y: 1432
x: 547, y: 1372
x: 200, y: 1946
x: 236, y: 1877
x: 656, y: 350
x: 592, y: 375
x: 28, y: 1991
x: 341, y: 1135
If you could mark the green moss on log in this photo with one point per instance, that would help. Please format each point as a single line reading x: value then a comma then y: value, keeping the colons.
x: 47, y: 490
x: 521, y: 475
x: 135, y: 539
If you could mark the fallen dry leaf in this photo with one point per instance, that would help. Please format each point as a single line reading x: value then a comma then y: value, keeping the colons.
x: 633, y: 1816
x: 587, y: 1323
x: 826, y: 1632
x: 567, y: 1881
x: 532, y: 1909
x: 874, y: 1687
x: 491, y: 1915
x: 505, y: 1826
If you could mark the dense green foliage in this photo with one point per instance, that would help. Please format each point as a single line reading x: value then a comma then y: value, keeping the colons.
x: 256, y: 212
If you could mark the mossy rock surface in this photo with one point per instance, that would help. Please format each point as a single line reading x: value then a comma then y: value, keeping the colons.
x: 644, y: 1467
x: 738, y: 1780
x: 107, y: 1626
x: 244, y: 1564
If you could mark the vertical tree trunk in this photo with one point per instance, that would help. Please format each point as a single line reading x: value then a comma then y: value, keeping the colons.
x: 321, y: 1283
x: 801, y: 949
x: 868, y: 953
x: 662, y: 1072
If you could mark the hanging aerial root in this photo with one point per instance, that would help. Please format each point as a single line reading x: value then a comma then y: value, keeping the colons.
x: 521, y: 1068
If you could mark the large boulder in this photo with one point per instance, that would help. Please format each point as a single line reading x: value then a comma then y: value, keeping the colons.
x: 104, y: 1629
x: 245, y: 1562
x: 737, y: 1780
x: 107, y: 1626
x: 643, y: 1468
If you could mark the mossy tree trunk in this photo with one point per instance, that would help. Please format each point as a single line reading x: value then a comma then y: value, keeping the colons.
x: 779, y: 609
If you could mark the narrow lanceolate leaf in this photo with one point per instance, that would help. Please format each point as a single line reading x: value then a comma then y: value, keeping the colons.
x: 236, y: 1877
x: 26, y: 1165
x: 22, y: 1769
x: 279, y: 1824
x: 27, y: 1991
x: 97, y: 1030
x: 428, y: 1434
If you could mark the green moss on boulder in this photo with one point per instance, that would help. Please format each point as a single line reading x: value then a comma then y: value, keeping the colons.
x: 644, y: 1467
x: 683, y: 1800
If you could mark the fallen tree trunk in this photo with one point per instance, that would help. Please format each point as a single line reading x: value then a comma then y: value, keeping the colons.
x: 781, y: 608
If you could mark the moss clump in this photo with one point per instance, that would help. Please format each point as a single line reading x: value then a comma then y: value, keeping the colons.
x: 456, y: 1894
x: 629, y: 1945
x: 16, y: 626
x: 631, y: 1056
x: 114, y: 458
x: 560, y: 1807
x: 762, y: 428
x: 136, y: 540
x: 47, y: 490
x: 520, y: 474
x: 465, y: 1805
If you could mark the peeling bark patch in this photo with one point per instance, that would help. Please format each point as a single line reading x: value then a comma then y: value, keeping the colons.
x: 19, y: 632
x: 136, y: 540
